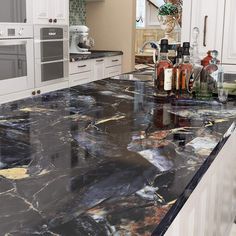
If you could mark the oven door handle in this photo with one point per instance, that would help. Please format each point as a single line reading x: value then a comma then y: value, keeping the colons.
x: 12, y: 42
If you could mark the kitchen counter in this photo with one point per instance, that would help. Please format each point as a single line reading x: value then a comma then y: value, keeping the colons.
x: 104, y: 158
x: 94, y: 55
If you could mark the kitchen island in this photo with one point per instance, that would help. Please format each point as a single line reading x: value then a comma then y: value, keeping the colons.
x: 104, y: 158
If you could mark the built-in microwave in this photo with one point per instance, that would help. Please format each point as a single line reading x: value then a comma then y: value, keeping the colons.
x: 51, y: 54
x: 16, y: 11
x: 16, y: 59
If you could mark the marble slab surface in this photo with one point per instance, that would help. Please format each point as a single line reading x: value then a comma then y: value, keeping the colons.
x: 104, y: 158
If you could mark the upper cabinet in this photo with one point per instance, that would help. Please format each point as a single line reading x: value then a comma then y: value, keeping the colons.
x: 229, y: 46
x: 51, y: 12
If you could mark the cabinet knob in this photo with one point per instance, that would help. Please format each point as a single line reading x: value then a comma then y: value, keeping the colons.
x: 33, y: 93
x: 55, y: 20
x: 38, y: 91
x: 50, y: 20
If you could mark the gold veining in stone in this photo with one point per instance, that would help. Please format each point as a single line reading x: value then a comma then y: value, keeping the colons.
x: 14, y: 173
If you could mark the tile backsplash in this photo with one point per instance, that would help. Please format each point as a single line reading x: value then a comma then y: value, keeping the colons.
x: 77, y: 12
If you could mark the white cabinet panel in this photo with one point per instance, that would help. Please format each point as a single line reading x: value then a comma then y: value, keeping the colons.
x: 51, y: 12
x: 81, y: 78
x: 52, y: 87
x: 80, y: 66
x: 208, y: 16
x: 41, y: 12
x: 113, y: 61
x: 61, y: 11
x: 99, y: 69
x: 229, y: 46
x: 210, y: 209
x: 112, y: 71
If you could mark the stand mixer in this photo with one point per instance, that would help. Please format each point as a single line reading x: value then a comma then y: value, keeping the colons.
x: 80, y: 43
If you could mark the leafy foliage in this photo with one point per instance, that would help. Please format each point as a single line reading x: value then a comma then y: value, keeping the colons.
x: 168, y: 9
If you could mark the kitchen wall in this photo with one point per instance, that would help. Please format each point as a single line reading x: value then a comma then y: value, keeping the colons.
x: 77, y: 12
x: 112, y: 25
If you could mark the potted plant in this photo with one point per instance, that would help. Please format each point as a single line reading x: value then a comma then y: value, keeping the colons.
x: 168, y: 15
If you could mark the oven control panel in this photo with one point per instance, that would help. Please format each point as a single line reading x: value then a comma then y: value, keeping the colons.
x: 16, y: 31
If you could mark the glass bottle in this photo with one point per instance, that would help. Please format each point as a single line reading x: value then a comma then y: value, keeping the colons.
x: 206, y: 60
x: 164, y: 70
x: 195, y: 59
x: 186, y: 68
x: 211, y: 77
x: 177, y: 72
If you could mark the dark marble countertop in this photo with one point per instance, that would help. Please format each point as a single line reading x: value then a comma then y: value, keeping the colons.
x: 94, y: 54
x: 104, y: 158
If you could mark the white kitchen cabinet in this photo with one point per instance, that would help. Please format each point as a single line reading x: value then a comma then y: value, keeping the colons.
x: 51, y: 87
x: 51, y: 12
x: 80, y: 78
x: 80, y: 66
x: 98, y: 69
x: 113, y: 71
x: 113, y: 66
x: 208, y: 16
x: 229, y: 46
x: 211, y: 208
x: 86, y: 71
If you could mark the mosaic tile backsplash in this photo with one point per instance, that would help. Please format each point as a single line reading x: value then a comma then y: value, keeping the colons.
x: 77, y: 12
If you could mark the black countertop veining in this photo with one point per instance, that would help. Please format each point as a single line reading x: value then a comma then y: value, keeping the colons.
x: 94, y: 55
x: 104, y: 158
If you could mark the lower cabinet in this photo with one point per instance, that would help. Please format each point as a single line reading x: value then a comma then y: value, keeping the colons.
x: 33, y: 92
x: 98, y: 69
x: 81, y: 72
x: 211, y: 208
x: 86, y: 71
x: 112, y: 71
x: 80, y: 78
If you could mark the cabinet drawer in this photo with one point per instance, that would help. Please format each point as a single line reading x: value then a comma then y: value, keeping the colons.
x: 80, y: 78
x: 113, y: 61
x: 112, y: 71
x: 80, y: 66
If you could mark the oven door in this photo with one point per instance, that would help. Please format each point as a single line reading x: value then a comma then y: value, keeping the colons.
x: 16, y: 65
x: 51, y: 62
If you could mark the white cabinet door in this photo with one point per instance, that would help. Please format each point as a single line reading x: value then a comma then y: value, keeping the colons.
x: 99, y: 69
x: 112, y: 71
x: 229, y: 46
x: 51, y: 12
x: 42, y: 12
x: 61, y: 11
x: 208, y: 16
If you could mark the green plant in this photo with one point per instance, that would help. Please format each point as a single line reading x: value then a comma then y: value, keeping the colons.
x: 168, y: 9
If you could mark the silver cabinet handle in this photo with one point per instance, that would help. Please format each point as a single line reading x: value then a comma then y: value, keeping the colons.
x: 82, y: 66
x: 205, y: 31
x: 115, y: 60
x: 100, y: 60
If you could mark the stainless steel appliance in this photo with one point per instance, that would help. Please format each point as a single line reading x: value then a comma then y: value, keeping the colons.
x: 15, y: 11
x: 16, y: 58
x: 51, y: 54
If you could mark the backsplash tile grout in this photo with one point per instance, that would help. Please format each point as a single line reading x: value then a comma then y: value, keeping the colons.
x: 77, y: 12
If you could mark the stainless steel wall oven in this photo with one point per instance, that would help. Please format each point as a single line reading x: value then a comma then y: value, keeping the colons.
x: 51, y: 54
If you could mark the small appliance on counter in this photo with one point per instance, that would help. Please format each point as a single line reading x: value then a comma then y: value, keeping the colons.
x: 80, y: 42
